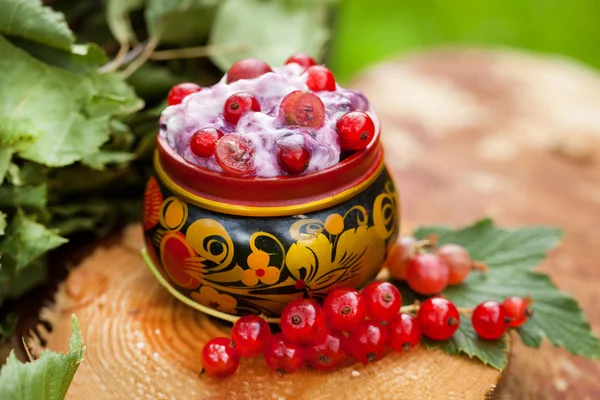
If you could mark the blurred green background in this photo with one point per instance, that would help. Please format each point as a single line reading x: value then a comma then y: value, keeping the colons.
x: 367, y: 31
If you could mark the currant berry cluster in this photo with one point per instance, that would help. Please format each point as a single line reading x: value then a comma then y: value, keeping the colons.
x: 492, y: 319
x: 430, y: 273
x: 302, y: 109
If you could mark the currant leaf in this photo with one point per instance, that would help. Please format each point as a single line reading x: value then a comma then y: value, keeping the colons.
x: 48, y: 377
x: 511, y: 255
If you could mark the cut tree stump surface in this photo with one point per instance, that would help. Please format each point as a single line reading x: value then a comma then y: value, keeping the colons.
x: 467, y: 134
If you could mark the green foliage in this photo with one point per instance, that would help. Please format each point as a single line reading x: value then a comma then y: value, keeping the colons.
x: 46, y: 378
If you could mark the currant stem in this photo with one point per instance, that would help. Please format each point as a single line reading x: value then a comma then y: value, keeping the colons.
x: 199, y: 51
x: 417, y: 304
x: 479, y: 266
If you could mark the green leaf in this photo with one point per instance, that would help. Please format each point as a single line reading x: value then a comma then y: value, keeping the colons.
x: 510, y: 256
x: 304, y: 27
x: 46, y: 378
x: 23, y: 196
x: 466, y: 341
x: 31, y: 20
x: 101, y: 159
x: 80, y: 58
x: 6, y: 154
x: 2, y: 223
x: 117, y: 16
x: 8, y: 324
x: 177, y: 21
x: 70, y: 112
x: 25, y: 241
x: 24, y: 280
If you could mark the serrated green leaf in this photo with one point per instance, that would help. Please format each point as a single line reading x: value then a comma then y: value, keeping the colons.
x: 25, y: 241
x: 510, y: 256
x: 304, y: 28
x: 23, y: 196
x: 80, y: 58
x: 117, y: 17
x: 30, y: 19
x: 70, y: 111
x: 466, y: 341
x: 6, y: 154
x: 17, y: 132
x: 46, y: 378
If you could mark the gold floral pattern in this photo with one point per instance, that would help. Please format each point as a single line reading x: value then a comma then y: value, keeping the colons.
x: 241, y: 265
x: 258, y: 261
x: 209, y: 297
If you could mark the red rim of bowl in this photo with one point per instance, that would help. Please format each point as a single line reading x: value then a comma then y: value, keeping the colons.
x: 282, y: 190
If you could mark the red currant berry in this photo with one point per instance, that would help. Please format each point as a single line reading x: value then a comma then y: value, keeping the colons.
x: 203, y: 141
x: 397, y: 260
x: 304, y: 109
x: 405, y: 332
x: 368, y: 342
x: 180, y: 91
x: 283, y: 356
x: 344, y: 309
x: 302, y: 321
x: 234, y: 154
x: 220, y: 358
x: 249, y: 334
x: 292, y: 154
x: 458, y: 260
x: 301, y: 59
x: 320, y: 78
x: 247, y: 68
x: 518, y: 310
x: 355, y: 130
x: 438, y: 318
x: 490, y: 320
x: 383, y: 300
x: 427, y: 274
x: 239, y: 104
x: 328, y: 352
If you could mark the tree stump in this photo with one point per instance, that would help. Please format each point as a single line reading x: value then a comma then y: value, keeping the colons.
x: 467, y: 133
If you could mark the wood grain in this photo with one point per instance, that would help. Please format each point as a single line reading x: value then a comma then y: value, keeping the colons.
x: 144, y: 344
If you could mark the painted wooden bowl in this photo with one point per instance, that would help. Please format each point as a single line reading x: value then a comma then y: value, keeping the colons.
x: 231, y: 246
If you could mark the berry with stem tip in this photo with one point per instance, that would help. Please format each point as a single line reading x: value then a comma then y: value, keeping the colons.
x: 405, y: 332
x: 438, y: 318
x: 320, y: 78
x: 490, y: 320
x: 180, y: 92
x: 249, y: 334
x: 518, y: 310
x: 328, y: 352
x: 397, y: 260
x: 368, y: 342
x: 300, y: 108
x: 292, y: 154
x: 458, y: 260
x: 427, y: 274
x: 301, y: 59
x: 382, y: 299
x: 355, y: 130
x: 220, y: 358
x: 283, y: 356
x: 239, y: 104
x: 344, y: 309
x: 203, y: 141
x: 302, y: 321
x: 247, y: 68
x: 234, y: 154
